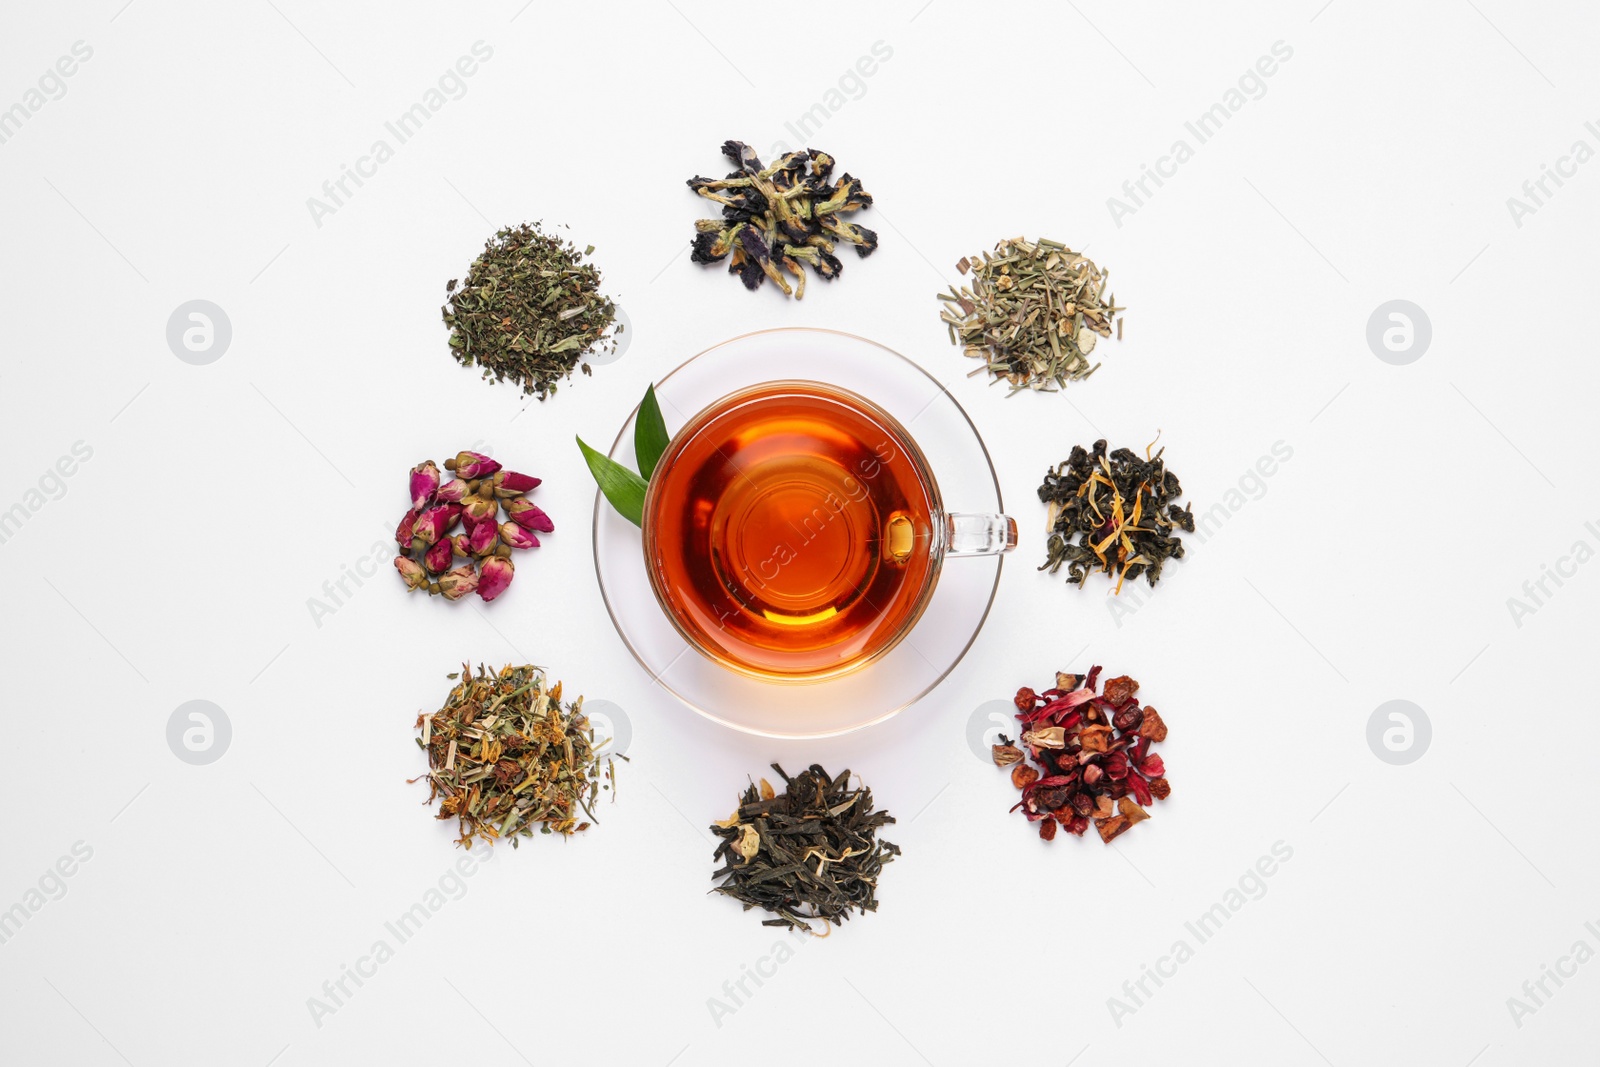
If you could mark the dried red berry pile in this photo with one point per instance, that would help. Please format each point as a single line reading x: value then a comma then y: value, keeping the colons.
x: 473, y: 499
x: 1090, y: 753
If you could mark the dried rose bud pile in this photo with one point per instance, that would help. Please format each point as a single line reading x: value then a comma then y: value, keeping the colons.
x: 472, y: 500
x: 1092, y: 756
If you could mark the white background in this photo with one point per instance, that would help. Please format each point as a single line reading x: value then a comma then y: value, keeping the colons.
x: 1376, y: 564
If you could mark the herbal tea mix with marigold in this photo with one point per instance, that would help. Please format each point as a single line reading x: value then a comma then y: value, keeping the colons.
x: 506, y: 758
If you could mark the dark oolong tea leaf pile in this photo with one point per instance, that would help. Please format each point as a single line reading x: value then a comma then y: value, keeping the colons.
x: 529, y: 310
x: 810, y: 853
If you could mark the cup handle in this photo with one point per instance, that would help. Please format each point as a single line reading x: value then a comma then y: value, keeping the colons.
x: 979, y: 535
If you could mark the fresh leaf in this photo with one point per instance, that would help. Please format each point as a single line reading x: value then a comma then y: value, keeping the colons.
x: 650, y: 437
x: 621, y: 486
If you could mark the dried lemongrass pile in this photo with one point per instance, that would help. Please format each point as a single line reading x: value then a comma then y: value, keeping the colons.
x: 1034, y: 312
x: 508, y: 758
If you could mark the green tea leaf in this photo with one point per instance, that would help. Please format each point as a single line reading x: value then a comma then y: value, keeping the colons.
x: 650, y: 437
x: 621, y: 486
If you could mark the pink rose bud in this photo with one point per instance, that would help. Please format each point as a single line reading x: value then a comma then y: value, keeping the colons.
x: 478, y: 510
x: 459, y: 582
x: 415, y: 577
x: 471, y: 465
x: 484, y: 540
x: 451, y: 492
x: 462, y: 544
x: 517, y: 537
x: 440, y: 556
x: 424, y: 483
x: 403, y: 533
x: 509, y: 484
x: 528, y: 516
x: 434, y: 524
x: 496, y: 576
x: 427, y: 529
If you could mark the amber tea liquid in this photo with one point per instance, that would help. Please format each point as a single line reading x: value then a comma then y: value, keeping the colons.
x: 788, y: 530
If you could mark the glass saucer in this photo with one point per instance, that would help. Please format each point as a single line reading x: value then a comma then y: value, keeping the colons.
x: 960, y: 602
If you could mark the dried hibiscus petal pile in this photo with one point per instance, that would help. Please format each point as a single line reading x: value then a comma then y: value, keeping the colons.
x: 1090, y: 756
x: 473, y: 499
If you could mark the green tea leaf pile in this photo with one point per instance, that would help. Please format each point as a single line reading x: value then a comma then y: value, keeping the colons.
x: 529, y: 310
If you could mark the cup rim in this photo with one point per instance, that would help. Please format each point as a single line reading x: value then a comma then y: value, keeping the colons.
x: 936, y: 551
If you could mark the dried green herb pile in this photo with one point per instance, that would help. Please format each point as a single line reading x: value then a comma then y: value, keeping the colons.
x: 782, y: 218
x: 529, y: 310
x: 1033, y: 313
x: 810, y: 853
x: 1122, y: 510
x: 507, y: 758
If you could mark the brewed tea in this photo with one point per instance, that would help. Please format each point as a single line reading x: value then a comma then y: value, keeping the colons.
x: 788, y: 530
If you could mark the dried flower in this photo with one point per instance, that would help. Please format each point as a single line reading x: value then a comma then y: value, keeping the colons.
x: 439, y: 556
x: 780, y: 219
x: 471, y: 465
x: 496, y: 577
x: 484, y: 539
x: 1006, y: 754
x: 459, y: 582
x: 410, y: 570
x: 1124, y: 512
x: 528, y: 515
x: 476, y: 510
x: 507, y: 484
x: 517, y: 537
x: 404, y: 532
x: 424, y: 483
x: 469, y: 500
x: 1090, y: 754
x: 506, y: 759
